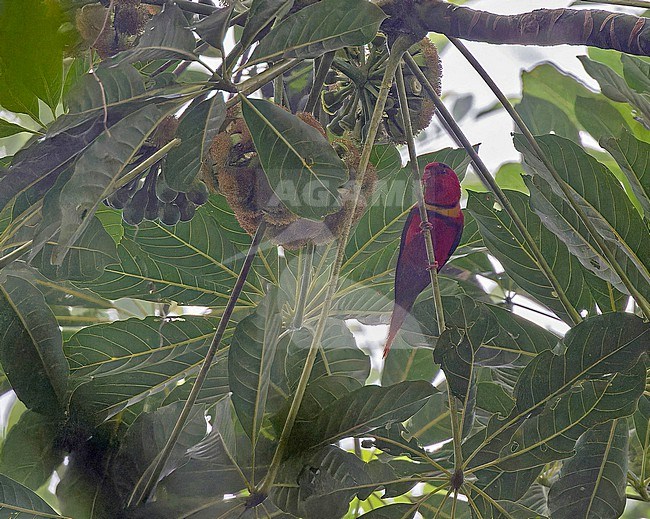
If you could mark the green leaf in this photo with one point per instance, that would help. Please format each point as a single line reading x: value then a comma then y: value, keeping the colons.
x: 146, y: 438
x: 261, y: 13
x: 97, y: 170
x: 408, y: 364
x: 165, y: 36
x: 592, y: 483
x: 212, y: 29
x: 250, y: 359
x: 507, y: 244
x: 105, y: 87
x: 604, y: 202
x: 318, y: 28
x: 303, y: 169
x: 107, y: 393
x: 608, y: 343
x: 432, y: 423
x: 551, y: 435
x: 360, y: 412
x: 394, y: 511
x: 599, y: 117
x: 7, y: 129
x: 17, y: 500
x: 542, y: 116
x: 319, y: 484
x: 632, y: 155
x: 493, y: 397
x: 198, y: 126
x: 86, y: 260
x: 31, y: 54
x: 28, y: 453
x: 615, y: 87
x: 636, y: 73
x: 338, y: 355
x: 30, y: 346
x: 34, y: 169
x: 133, y: 345
x: 192, y: 263
x: 213, y: 466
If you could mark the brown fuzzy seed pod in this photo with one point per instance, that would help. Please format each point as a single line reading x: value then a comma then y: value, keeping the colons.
x: 237, y: 175
x: 129, y: 19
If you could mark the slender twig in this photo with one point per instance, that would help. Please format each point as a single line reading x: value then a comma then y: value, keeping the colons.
x: 433, y: 272
x: 146, y: 485
x: 485, y: 175
x: 14, y: 254
x: 399, y: 47
x: 305, y: 280
x: 257, y: 82
x: 566, y: 188
x: 319, y: 78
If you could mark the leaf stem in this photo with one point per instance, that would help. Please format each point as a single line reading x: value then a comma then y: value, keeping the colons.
x: 305, y: 281
x: 566, y: 189
x: 428, y: 240
x: 489, y: 180
x: 399, y: 47
x: 14, y: 254
x: 146, y: 485
x: 255, y: 83
x: 319, y: 80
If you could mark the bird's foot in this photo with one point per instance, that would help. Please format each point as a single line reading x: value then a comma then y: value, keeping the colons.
x: 425, y: 226
x: 432, y: 266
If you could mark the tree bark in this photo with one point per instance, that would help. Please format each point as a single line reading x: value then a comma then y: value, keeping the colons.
x: 593, y: 27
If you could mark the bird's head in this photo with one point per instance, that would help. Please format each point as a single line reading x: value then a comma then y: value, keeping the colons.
x: 441, y: 185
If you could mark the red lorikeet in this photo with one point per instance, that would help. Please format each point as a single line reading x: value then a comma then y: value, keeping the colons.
x: 442, y: 197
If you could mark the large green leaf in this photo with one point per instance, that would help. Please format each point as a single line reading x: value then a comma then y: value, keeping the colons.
x: 17, y: 500
x: 198, y: 126
x: 250, y: 359
x: 321, y: 27
x: 31, y: 55
x: 261, y: 13
x: 29, y: 455
x: 602, y: 199
x: 87, y: 258
x: 146, y: 438
x: 134, y: 345
x: 592, y: 483
x: 192, y: 263
x: 551, y: 435
x: 338, y: 354
x: 166, y: 36
x: 106, y: 394
x: 97, y: 170
x: 8, y: 129
x: 104, y: 88
x: 602, y: 344
x: 31, y: 351
x: 303, y: 169
x: 506, y: 243
x: 615, y: 87
x: 360, y: 412
x: 632, y: 155
x: 542, y: 116
x: 211, y: 467
x: 319, y: 484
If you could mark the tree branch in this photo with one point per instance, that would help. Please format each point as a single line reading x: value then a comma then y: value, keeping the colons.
x: 593, y: 27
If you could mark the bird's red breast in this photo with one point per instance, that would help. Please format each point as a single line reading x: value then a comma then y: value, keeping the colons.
x: 442, y: 198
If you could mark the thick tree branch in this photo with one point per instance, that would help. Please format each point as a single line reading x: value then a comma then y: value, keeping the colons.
x: 595, y: 28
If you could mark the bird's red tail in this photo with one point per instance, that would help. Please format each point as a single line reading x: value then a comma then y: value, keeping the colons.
x: 396, y: 322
